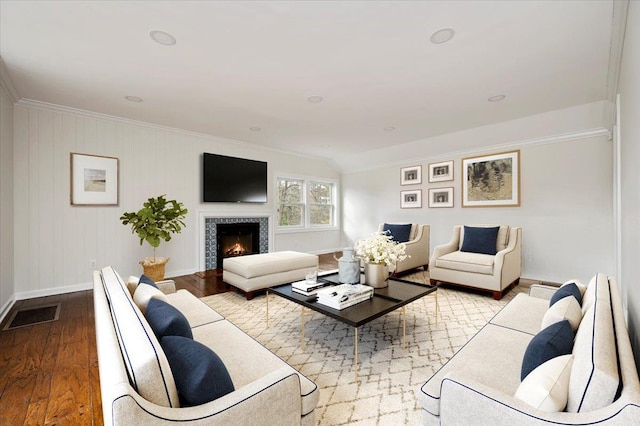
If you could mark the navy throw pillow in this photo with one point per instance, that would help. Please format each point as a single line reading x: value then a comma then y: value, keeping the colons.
x: 564, y: 291
x: 146, y: 280
x: 553, y: 341
x: 166, y: 320
x: 399, y: 233
x: 480, y: 240
x: 199, y: 373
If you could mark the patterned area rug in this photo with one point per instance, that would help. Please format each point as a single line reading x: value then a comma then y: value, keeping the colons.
x: 388, y: 376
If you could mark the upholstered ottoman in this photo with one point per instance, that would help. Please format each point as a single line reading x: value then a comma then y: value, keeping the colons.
x: 259, y: 271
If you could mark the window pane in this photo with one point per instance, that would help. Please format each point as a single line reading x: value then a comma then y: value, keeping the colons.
x: 290, y: 215
x: 320, y: 214
x: 320, y: 193
x: 289, y: 191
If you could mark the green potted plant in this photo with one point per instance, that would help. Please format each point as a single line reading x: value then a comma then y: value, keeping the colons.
x: 156, y: 221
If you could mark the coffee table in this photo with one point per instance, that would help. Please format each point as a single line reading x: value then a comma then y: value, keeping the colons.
x: 397, y: 295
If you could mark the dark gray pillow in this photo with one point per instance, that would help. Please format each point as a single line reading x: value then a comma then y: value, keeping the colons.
x: 199, y: 373
x: 553, y: 341
x: 146, y: 280
x: 564, y: 291
x: 480, y: 240
x: 166, y: 320
x: 399, y: 233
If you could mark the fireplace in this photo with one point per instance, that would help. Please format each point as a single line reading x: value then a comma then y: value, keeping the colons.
x: 237, y: 239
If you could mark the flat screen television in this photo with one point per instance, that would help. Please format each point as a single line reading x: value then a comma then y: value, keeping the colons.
x: 233, y: 180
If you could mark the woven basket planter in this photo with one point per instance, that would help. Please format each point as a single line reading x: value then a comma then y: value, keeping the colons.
x: 154, y: 269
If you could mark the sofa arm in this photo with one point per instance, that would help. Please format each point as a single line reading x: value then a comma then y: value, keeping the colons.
x: 167, y: 286
x: 450, y: 247
x: 275, y: 396
x: 542, y: 291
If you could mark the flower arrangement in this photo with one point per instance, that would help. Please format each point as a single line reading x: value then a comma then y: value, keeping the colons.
x: 380, y: 248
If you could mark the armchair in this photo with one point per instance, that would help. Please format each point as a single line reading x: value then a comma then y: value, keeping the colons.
x: 458, y: 263
x: 417, y: 247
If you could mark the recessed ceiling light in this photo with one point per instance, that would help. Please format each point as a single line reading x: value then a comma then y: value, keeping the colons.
x: 133, y: 98
x: 389, y: 129
x: 162, y: 37
x: 315, y: 99
x: 443, y: 35
x: 496, y: 98
x: 255, y: 129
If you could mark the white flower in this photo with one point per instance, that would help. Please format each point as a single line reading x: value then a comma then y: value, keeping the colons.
x: 380, y: 248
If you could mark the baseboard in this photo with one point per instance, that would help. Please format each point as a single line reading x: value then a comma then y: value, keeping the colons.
x: 53, y: 291
x: 7, y: 307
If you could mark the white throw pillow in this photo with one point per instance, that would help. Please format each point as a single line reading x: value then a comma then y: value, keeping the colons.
x: 578, y: 284
x: 144, y: 293
x: 547, y: 387
x: 132, y: 284
x: 566, y: 308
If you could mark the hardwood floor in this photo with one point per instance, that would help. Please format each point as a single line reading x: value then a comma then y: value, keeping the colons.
x: 49, y: 372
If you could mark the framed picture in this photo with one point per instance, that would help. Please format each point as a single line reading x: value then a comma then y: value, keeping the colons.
x: 441, y: 197
x: 441, y: 172
x: 491, y: 180
x: 411, y: 199
x: 411, y: 175
x: 94, y: 180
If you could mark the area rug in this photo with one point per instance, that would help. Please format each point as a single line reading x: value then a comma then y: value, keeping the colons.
x: 389, y: 377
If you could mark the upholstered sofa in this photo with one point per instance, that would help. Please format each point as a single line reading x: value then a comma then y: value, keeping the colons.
x: 417, y: 246
x: 495, y: 273
x: 137, y: 383
x: 481, y: 383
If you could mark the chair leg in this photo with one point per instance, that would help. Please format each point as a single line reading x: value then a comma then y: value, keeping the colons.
x: 497, y: 295
x: 433, y: 282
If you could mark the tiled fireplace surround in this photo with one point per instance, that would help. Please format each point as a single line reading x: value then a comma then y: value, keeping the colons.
x: 210, y: 235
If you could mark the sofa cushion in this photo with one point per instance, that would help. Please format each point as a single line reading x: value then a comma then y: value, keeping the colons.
x: 523, y: 313
x: 467, y: 262
x: 547, y: 387
x: 570, y: 289
x: 399, y: 233
x: 146, y: 280
x: 144, y: 293
x: 199, y: 373
x: 578, y: 283
x: 165, y: 320
x: 565, y: 308
x: 480, y: 240
x: 598, y: 288
x: 194, y: 309
x: 553, y: 341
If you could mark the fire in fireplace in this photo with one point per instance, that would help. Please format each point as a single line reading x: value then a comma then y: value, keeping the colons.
x: 237, y: 239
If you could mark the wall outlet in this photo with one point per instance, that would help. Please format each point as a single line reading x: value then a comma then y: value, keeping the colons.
x: 92, y: 264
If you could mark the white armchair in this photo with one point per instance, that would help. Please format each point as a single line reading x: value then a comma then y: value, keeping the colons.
x: 495, y: 273
x: 417, y: 248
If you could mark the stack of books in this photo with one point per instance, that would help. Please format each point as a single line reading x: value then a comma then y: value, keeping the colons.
x: 344, y: 295
x: 308, y: 289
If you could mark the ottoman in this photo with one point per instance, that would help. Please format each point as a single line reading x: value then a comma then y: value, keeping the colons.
x: 259, y: 271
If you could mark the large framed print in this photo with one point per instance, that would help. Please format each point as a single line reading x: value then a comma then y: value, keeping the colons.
x: 94, y: 180
x: 440, y: 197
x: 441, y: 172
x: 411, y: 199
x: 411, y: 175
x: 491, y: 180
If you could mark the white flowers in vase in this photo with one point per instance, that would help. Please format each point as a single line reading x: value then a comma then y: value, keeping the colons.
x: 380, y: 248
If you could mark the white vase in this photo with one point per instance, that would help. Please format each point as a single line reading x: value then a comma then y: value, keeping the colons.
x: 376, y: 275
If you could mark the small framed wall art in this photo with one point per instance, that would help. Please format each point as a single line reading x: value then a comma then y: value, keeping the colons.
x: 491, y: 180
x: 441, y: 197
x: 441, y: 172
x: 411, y: 175
x: 94, y: 180
x: 411, y: 199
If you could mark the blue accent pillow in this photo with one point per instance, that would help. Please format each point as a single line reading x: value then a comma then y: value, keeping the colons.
x: 146, y: 280
x: 199, y: 373
x: 553, y: 341
x: 399, y: 233
x: 166, y: 320
x: 480, y: 240
x: 564, y: 291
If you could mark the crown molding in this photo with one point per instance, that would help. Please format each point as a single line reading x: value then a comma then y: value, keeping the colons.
x: 6, y: 83
x: 559, y: 138
x: 30, y: 103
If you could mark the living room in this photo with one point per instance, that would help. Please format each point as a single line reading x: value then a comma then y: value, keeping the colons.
x: 578, y: 181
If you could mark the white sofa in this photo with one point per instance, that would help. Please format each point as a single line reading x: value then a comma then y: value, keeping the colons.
x: 137, y: 384
x: 477, y: 385
x: 494, y: 273
x: 417, y: 248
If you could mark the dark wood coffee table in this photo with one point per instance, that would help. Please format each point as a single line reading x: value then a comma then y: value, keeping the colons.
x: 397, y: 295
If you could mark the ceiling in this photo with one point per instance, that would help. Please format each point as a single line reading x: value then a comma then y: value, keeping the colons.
x: 255, y: 64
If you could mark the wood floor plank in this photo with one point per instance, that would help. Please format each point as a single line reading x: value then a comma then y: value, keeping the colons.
x: 15, y: 400
x: 36, y: 412
x: 69, y: 401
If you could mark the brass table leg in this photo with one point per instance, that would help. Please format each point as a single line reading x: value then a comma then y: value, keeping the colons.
x: 437, y: 308
x: 302, y: 342
x: 267, y: 308
x: 404, y: 327
x: 355, y: 352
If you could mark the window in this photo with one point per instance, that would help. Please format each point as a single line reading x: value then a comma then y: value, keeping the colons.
x: 305, y: 203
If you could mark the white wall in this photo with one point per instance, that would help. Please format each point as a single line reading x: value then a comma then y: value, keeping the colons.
x: 6, y: 202
x: 566, y: 205
x: 58, y: 240
x: 629, y: 89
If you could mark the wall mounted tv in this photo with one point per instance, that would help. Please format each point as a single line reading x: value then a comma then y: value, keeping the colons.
x: 233, y: 180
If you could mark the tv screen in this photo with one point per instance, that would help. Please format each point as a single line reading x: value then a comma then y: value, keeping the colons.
x: 233, y: 180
